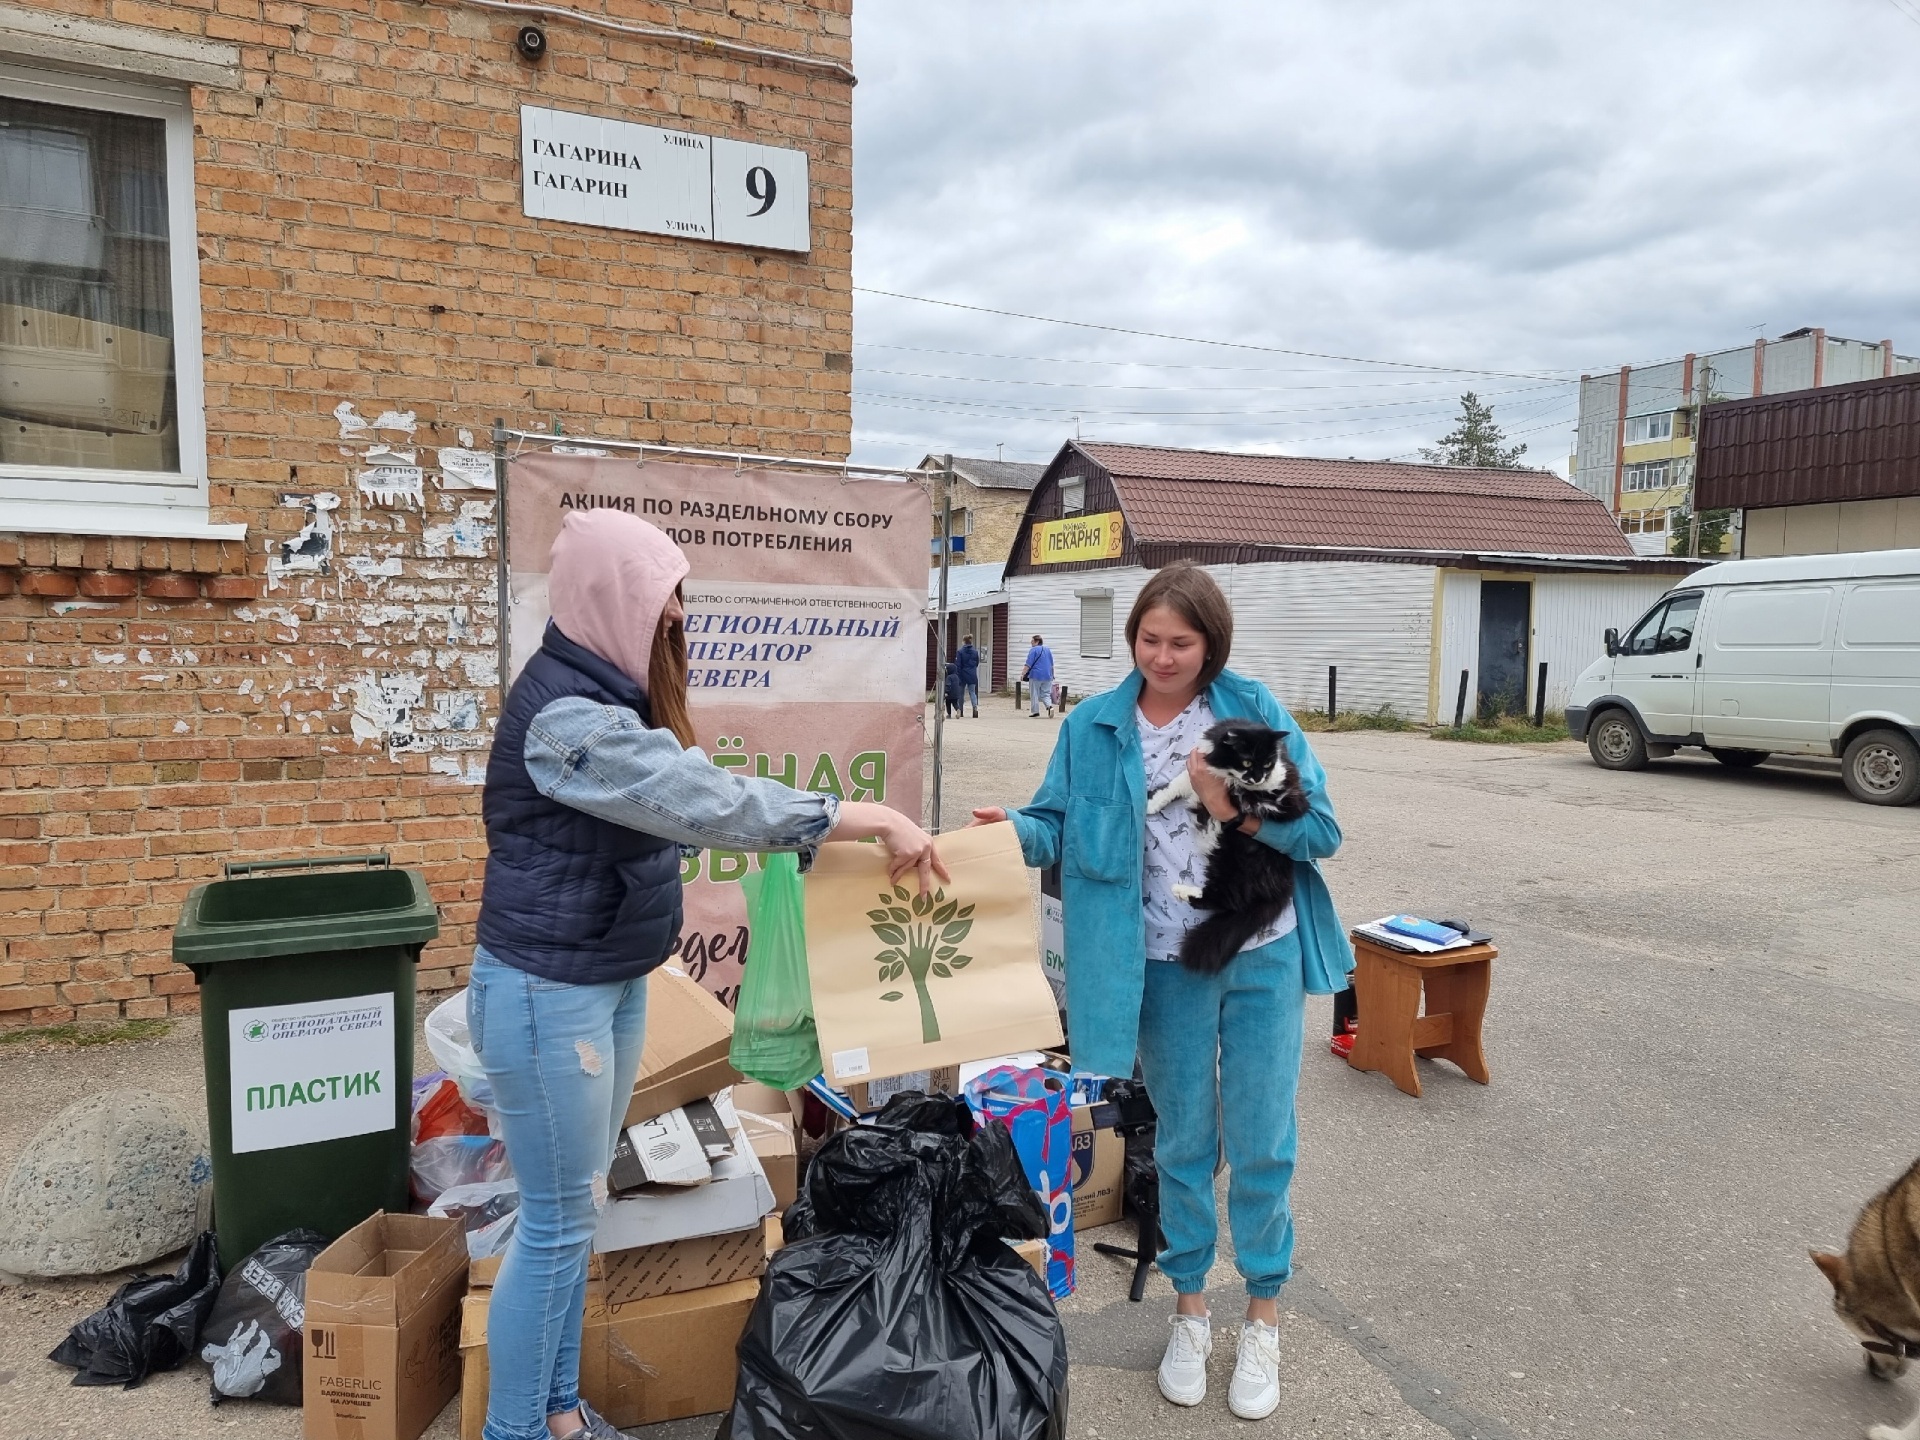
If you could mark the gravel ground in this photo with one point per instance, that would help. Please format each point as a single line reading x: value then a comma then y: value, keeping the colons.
x: 1701, y: 1038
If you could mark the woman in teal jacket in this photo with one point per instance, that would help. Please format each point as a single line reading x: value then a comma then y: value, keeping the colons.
x: 1220, y: 1053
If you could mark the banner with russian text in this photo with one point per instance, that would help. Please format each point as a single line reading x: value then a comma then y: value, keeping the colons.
x: 806, y: 645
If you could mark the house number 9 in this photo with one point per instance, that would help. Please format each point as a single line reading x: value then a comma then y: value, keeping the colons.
x: 761, y: 187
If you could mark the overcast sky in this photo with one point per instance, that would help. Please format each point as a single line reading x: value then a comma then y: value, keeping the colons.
x: 1494, y: 185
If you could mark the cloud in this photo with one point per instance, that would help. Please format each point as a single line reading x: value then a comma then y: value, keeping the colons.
x: 1495, y: 185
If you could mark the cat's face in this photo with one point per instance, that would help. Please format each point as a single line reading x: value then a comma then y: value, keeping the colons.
x: 1245, y: 749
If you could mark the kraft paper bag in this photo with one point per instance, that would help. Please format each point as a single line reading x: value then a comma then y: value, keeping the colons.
x: 904, y: 981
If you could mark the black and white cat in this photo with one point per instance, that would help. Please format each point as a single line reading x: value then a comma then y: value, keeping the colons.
x: 1248, y: 885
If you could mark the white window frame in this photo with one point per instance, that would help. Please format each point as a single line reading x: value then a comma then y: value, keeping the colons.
x: 1634, y: 481
x: 76, y: 500
x: 1075, y: 485
x: 1633, y: 420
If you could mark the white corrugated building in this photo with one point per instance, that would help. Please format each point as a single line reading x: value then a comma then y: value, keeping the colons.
x: 1401, y: 576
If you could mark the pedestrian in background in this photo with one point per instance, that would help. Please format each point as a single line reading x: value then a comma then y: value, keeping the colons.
x: 1220, y: 1052
x: 950, y: 685
x: 593, y: 786
x: 1039, y: 677
x: 967, y: 662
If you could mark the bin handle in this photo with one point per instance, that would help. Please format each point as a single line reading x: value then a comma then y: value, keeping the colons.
x: 376, y: 861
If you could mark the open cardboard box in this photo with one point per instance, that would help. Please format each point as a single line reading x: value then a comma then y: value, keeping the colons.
x: 685, y: 1054
x: 642, y: 1362
x: 735, y: 1199
x: 383, y: 1328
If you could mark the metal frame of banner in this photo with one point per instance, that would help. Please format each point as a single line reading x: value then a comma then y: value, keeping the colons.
x: 741, y: 461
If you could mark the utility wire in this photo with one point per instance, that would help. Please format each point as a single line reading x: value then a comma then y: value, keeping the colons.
x: 1224, y: 344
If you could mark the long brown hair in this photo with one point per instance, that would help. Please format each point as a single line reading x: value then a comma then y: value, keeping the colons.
x: 667, y: 680
x: 1195, y: 596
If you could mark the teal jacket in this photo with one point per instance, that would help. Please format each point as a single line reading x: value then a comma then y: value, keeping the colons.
x: 1090, y: 815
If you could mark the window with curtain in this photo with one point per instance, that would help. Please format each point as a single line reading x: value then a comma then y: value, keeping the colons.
x: 86, y: 290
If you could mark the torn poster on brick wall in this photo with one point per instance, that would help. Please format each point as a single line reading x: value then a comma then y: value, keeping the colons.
x: 806, y: 646
x: 463, y: 469
x: 311, y: 551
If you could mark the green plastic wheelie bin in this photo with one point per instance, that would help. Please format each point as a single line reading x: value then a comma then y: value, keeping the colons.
x: 306, y: 978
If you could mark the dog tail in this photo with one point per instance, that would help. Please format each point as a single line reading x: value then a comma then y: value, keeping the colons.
x: 1208, y: 947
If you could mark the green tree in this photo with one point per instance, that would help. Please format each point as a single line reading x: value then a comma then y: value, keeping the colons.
x: 1713, y: 530
x: 1475, y: 441
x: 925, y: 932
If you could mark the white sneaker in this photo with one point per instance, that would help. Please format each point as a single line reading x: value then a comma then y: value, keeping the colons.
x: 1255, y: 1392
x: 1183, y: 1370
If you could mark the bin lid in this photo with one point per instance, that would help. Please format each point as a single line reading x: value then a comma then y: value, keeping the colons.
x: 302, y: 913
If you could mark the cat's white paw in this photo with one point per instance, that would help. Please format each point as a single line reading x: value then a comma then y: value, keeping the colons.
x: 1889, y: 1432
x: 1186, y: 892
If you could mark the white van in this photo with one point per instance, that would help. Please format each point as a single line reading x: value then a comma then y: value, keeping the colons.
x: 1805, y: 654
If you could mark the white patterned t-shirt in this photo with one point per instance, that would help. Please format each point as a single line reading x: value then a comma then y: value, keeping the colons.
x: 1171, y: 857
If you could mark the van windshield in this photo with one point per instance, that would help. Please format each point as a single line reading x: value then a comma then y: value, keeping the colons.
x: 1666, y: 629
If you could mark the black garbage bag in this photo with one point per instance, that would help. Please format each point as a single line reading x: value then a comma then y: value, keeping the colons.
x: 253, y: 1337
x: 902, y: 1314
x: 150, y: 1324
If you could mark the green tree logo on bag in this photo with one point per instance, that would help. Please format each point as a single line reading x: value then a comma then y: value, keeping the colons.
x: 925, y: 932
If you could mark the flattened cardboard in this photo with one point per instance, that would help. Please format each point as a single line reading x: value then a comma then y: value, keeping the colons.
x: 778, y: 1149
x: 685, y: 1055
x: 683, y: 1265
x: 1099, y: 1172
x: 660, y: 1359
x: 871, y: 1095
x: 383, y: 1328
x: 736, y: 1198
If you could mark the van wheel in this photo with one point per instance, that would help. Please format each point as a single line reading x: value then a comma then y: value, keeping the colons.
x: 1739, y: 759
x: 1882, y: 767
x: 1616, y: 743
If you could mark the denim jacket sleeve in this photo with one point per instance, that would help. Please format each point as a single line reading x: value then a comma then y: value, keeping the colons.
x: 1316, y: 834
x: 603, y: 760
x: 1042, y: 821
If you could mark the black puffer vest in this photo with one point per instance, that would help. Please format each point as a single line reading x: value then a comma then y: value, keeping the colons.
x: 569, y: 896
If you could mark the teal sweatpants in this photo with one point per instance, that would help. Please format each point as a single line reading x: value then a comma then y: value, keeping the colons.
x: 1225, y: 1050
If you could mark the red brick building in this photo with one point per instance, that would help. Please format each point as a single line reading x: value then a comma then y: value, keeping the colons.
x: 267, y: 275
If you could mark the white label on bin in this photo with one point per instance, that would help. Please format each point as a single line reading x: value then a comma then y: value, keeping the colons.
x: 851, y: 1064
x: 318, y: 1071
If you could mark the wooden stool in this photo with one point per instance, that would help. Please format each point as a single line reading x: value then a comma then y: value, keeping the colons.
x: 1388, y: 986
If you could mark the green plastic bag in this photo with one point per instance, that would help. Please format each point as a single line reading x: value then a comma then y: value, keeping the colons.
x: 773, y: 1036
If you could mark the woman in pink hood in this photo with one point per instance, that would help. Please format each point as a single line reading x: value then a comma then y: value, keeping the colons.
x: 593, y: 789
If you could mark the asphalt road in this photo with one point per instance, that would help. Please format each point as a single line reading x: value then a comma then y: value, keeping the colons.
x: 1702, y: 1039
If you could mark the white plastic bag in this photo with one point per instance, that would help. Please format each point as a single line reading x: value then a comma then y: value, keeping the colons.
x: 452, y: 1046
x: 489, y: 1209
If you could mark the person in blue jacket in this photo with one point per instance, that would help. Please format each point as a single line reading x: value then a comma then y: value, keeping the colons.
x: 1220, y: 1053
x: 593, y: 787
x: 1038, y: 673
x: 967, y: 662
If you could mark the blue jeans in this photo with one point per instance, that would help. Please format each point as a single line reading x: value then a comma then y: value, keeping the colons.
x: 561, y: 1059
x: 970, y: 690
x: 1226, y: 1048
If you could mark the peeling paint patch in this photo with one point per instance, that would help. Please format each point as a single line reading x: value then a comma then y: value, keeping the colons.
x: 402, y: 420
x: 383, y: 707
x: 109, y: 657
x: 470, y: 535
x: 180, y: 727
x: 456, y: 710
x: 311, y: 551
x: 375, y: 571
x: 69, y: 607
x: 352, y: 425
x: 474, y: 772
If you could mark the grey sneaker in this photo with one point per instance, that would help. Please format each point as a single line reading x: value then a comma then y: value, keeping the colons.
x: 595, y: 1426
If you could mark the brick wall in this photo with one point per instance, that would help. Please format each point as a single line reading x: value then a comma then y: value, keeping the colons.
x: 329, y: 684
x: 996, y: 518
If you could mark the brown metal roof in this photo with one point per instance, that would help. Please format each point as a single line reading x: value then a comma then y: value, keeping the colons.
x: 1841, y: 442
x: 1200, y: 497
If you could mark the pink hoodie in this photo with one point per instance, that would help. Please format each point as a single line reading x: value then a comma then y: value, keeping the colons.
x: 609, y: 580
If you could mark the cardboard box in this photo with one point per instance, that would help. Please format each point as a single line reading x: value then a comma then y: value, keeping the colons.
x: 685, y: 1056
x: 1099, y: 1173
x: 482, y: 1273
x: 683, y: 1265
x: 383, y: 1328
x: 871, y: 1095
x: 662, y: 1150
x: 778, y: 1149
x: 750, y: 1097
x: 735, y: 1199
x: 1034, y: 1252
x: 660, y: 1359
